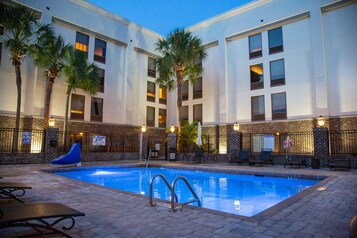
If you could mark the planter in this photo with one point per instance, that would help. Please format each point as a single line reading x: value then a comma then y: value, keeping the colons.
x: 315, y: 163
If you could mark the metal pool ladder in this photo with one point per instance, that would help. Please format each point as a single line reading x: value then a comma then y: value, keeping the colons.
x: 173, y: 198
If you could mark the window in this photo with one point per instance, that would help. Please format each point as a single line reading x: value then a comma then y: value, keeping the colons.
x: 99, y: 50
x: 258, y: 111
x: 197, y: 113
x: 256, y: 76
x: 184, y: 114
x: 101, y: 74
x: 152, y: 67
x: 185, y: 90
x: 150, y: 116
x: 255, y: 46
x: 77, y: 107
x: 197, y: 89
x: 278, y: 105
x: 275, y: 40
x: 96, y: 109
x: 162, y: 94
x: 162, y: 118
x: 277, y: 72
x: 82, y: 41
x: 150, y: 95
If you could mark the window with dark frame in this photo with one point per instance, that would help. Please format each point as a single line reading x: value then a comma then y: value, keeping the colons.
x: 96, y: 109
x: 101, y: 75
x: 275, y: 40
x: 162, y: 95
x: 100, y: 48
x: 184, y: 114
x: 150, y: 94
x: 82, y: 42
x: 185, y: 90
x: 256, y: 76
x: 150, y: 116
x: 77, y: 106
x: 151, y: 67
x: 255, y: 46
x: 258, y: 108
x: 278, y: 101
x: 197, y: 113
x: 197, y: 88
x: 162, y: 118
x: 277, y: 73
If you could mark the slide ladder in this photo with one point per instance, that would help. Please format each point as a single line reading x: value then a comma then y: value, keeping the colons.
x: 174, y: 200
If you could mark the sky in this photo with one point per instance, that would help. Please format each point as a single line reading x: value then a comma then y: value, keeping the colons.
x: 164, y: 16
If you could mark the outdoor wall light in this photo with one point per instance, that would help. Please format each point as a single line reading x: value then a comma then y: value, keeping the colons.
x: 51, y: 122
x: 320, y: 121
x: 236, y: 127
x: 81, y: 133
x: 143, y: 128
x: 172, y: 128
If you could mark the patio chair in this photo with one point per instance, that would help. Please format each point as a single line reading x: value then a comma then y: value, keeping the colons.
x: 340, y: 164
x: 13, y: 190
x: 72, y: 157
x: 241, y: 157
x: 264, y: 158
x: 199, y: 156
x: 40, y: 216
x: 295, y: 162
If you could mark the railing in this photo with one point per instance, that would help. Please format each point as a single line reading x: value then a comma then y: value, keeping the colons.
x: 28, y: 140
x: 343, y: 142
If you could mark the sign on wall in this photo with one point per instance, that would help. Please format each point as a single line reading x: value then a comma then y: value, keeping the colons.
x: 98, y: 140
x: 26, y: 138
x: 269, y: 142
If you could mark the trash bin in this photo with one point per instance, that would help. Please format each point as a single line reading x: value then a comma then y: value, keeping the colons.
x: 172, y: 154
x: 315, y: 163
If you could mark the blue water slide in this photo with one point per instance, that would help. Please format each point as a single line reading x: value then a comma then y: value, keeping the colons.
x: 72, y: 157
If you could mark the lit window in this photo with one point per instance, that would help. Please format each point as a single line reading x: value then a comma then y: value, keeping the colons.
x: 278, y: 101
x: 277, y: 72
x: 162, y: 118
x: 256, y: 76
x: 197, y: 89
x: 150, y: 94
x: 258, y: 109
x: 82, y: 41
x: 185, y: 90
x: 151, y: 67
x: 150, y: 116
x: 184, y: 114
x: 101, y: 74
x: 255, y: 46
x: 77, y: 106
x: 162, y: 94
x: 275, y: 40
x: 96, y: 110
x: 100, y: 51
x: 197, y: 113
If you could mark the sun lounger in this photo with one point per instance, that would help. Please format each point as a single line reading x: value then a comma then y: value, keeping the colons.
x: 13, y: 190
x: 264, y: 158
x: 340, y: 164
x: 241, y: 157
x: 40, y: 216
x: 295, y: 162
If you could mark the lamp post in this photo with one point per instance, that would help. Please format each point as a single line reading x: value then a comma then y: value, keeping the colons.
x: 143, y: 130
x: 51, y: 122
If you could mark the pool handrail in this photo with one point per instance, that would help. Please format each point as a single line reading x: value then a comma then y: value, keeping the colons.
x: 174, y: 197
x: 192, y: 191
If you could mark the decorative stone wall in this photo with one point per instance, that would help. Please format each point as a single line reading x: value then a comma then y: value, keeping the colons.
x: 321, y: 149
x: 143, y: 146
x: 171, y: 145
x: 234, y: 141
x: 51, y: 142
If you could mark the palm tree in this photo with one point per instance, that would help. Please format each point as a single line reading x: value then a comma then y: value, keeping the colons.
x: 81, y: 74
x: 180, y: 53
x: 19, y: 26
x: 50, y: 52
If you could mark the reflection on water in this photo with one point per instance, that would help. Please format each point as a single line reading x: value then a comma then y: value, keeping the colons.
x: 237, y: 194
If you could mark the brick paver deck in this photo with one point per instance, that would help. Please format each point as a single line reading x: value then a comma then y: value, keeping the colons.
x: 111, y: 213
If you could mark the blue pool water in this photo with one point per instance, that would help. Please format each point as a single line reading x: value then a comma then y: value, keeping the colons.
x: 245, y: 195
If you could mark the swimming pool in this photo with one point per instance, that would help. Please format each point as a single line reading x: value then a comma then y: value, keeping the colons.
x: 245, y: 195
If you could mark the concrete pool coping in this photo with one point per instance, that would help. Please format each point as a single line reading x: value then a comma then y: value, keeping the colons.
x: 113, y: 213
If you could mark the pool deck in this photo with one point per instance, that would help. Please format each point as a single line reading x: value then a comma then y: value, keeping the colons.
x: 111, y: 213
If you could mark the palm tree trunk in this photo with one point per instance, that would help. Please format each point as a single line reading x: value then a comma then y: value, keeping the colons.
x: 46, y: 115
x: 17, y: 65
x: 179, y: 75
x: 68, y: 93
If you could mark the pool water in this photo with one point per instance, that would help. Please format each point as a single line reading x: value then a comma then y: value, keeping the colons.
x: 245, y: 195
